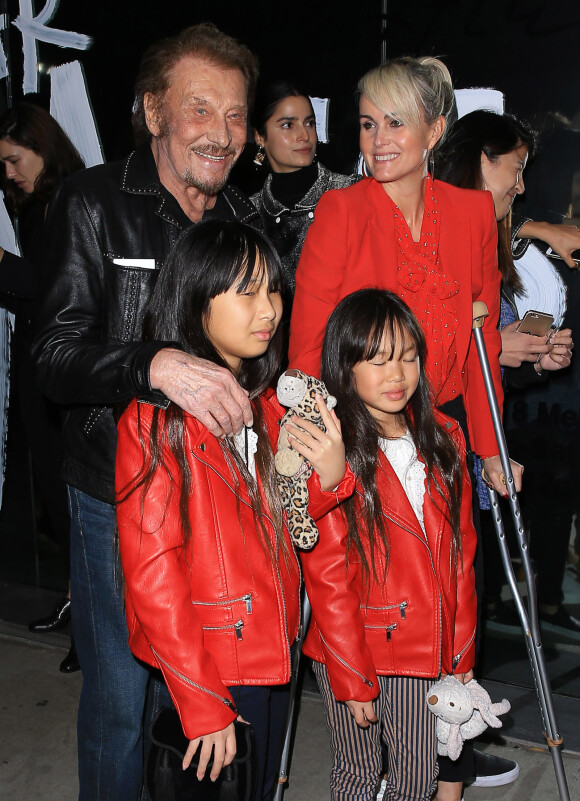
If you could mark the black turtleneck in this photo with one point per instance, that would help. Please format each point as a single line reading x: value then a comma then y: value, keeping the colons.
x: 288, y: 188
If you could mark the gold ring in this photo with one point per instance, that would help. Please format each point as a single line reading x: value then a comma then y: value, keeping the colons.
x: 502, y: 479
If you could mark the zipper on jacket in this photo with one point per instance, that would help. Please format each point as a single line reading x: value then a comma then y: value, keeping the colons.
x: 247, y: 598
x: 391, y: 627
x: 236, y: 626
x: 438, y: 591
x: 269, y: 519
x: 401, y: 607
x: 342, y: 661
x: 187, y: 680
x: 457, y: 658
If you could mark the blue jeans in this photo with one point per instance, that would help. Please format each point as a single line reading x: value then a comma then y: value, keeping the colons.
x: 115, y: 684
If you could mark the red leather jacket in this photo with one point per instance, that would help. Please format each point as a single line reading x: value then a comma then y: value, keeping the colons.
x: 420, y: 621
x: 215, y: 611
x: 352, y: 244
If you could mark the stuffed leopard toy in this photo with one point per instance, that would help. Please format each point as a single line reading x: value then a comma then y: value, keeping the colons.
x: 298, y: 391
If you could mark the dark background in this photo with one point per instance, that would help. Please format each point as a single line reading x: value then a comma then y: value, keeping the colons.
x: 526, y: 48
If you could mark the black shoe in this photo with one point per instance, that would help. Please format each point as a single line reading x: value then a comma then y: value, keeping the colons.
x: 59, y: 618
x: 561, y: 619
x: 493, y: 771
x: 70, y: 664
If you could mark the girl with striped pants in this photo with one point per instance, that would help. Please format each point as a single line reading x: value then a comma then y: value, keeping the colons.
x: 391, y: 579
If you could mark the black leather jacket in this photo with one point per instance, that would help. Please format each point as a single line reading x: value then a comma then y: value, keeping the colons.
x: 88, y: 347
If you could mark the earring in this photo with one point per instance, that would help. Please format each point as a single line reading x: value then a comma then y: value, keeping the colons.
x: 431, y: 164
x: 259, y: 157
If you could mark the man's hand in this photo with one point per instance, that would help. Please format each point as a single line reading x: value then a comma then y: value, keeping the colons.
x: 208, y: 392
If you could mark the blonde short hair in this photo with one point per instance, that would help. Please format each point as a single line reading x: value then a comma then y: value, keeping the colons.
x: 412, y: 90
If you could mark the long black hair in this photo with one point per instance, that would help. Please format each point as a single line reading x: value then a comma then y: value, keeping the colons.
x: 207, y: 260
x: 31, y: 127
x: 355, y: 332
x: 459, y: 163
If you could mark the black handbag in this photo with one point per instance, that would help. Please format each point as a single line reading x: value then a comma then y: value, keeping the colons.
x: 166, y: 780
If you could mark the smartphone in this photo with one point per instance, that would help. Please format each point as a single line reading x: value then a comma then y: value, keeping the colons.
x: 539, y: 324
x: 553, y: 255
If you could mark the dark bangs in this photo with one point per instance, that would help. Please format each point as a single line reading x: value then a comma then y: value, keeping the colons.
x: 259, y: 261
x: 356, y: 330
x: 393, y: 330
x: 206, y: 261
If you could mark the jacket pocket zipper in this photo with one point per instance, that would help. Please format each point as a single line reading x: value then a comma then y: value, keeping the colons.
x: 247, y: 598
x: 269, y: 519
x: 391, y: 627
x: 205, y: 690
x: 342, y: 661
x: 236, y: 626
x: 401, y: 607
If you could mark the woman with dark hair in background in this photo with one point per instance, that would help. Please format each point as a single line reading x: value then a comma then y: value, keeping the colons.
x: 489, y: 151
x: 285, y: 130
x: 37, y: 155
x: 486, y: 150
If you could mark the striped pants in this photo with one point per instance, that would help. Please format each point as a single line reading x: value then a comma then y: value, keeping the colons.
x: 407, y: 728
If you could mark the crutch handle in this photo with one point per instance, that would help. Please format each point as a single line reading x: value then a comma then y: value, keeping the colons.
x: 480, y: 312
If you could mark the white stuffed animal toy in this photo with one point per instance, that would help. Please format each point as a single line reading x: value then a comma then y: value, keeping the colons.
x: 463, y: 711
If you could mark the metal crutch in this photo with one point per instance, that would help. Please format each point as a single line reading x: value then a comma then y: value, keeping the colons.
x: 285, y: 758
x: 529, y: 622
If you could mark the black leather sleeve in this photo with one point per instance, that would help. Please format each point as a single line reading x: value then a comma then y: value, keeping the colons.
x: 89, y: 314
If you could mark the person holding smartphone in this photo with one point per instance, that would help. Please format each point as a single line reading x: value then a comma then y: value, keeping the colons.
x: 485, y: 150
x: 490, y: 151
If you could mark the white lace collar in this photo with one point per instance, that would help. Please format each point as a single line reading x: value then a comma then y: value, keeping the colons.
x: 402, y: 455
x: 246, y: 444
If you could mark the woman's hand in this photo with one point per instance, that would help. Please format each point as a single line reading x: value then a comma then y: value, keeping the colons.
x: 323, y: 449
x: 563, y: 239
x: 363, y: 713
x: 223, y: 744
x: 561, y: 354
x: 517, y: 347
x: 494, y: 476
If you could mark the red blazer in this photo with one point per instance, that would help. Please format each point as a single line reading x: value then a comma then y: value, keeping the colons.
x: 352, y: 245
x: 213, y: 611
x: 421, y: 620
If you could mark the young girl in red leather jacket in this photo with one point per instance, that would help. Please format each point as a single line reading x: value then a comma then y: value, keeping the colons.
x: 390, y: 581
x: 212, y: 579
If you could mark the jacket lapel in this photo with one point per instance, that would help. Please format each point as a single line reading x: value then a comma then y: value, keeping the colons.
x: 381, y: 229
x: 205, y: 449
x: 455, y: 237
x: 395, y: 503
